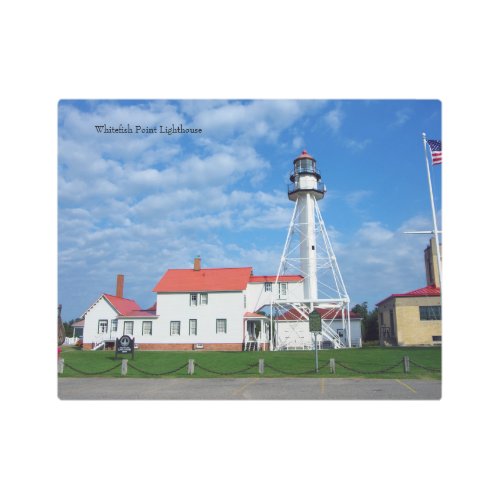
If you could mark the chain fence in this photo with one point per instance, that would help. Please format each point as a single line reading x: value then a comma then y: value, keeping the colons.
x: 227, y: 373
x: 140, y: 370
x: 283, y: 372
x: 369, y: 372
x: 67, y: 365
x: 428, y: 368
x: 255, y: 365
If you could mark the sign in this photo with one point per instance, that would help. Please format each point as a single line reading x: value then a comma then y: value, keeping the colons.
x: 315, y: 322
x: 124, y: 345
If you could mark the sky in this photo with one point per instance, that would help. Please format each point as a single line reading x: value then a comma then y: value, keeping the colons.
x: 140, y: 203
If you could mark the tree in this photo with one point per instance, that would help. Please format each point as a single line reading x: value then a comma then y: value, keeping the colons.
x: 68, y: 327
x: 369, y: 324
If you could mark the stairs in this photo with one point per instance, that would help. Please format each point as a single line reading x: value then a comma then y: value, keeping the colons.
x: 98, y: 346
x: 251, y: 345
x: 332, y: 335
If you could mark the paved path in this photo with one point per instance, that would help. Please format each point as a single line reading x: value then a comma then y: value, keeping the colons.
x: 247, y: 388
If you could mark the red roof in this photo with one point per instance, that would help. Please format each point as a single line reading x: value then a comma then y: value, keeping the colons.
x: 304, y: 154
x: 128, y: 307
x: 253, y: 315
x: 294, y: 315
x: 335, y: 313
x: 428, y: 291
x: 204, y: 280
x: 272, y: 279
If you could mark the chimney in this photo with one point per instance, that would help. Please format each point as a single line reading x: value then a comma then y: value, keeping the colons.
x: 197, y: 263
x: 119, y: 285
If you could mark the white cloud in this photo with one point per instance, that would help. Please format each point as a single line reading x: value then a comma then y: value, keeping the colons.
x: 334, y: 118
x: 354, y: 198
x: 297, y: 142
x: 377, y: 261
x: 356, y: 145
x: 402, y: 116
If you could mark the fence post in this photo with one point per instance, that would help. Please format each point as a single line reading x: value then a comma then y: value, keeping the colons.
x: 124, y: 367
x: 60, y: 365
x: 190, y: 366
x: 332, y: 365
x: 406, y: 362
x: 261, y: 366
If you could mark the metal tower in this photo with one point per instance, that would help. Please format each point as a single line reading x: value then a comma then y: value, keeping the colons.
x: 309, y: 253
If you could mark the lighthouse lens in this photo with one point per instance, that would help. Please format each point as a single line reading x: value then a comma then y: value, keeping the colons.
x: 304, y: 165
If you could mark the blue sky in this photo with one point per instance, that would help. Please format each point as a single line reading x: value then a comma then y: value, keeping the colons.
x: 139, y: 204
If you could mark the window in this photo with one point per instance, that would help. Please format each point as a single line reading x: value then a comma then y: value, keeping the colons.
x: 197, y: 299
x: 268, y: 287
x: 114, y: 325
x: 244, y: 301
x: 175, y: 328
x: 283, y: 290
x: 147, y: 328
x: 193, y: 327
x: 103, y: 326
x: 430, y: 313
x: 128, y: 327
x: 221, y: 326
x: 436, y: 338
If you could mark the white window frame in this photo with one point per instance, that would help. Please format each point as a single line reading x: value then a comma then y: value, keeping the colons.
x: 150, y: 323
x: 175, y: 325
x: 203, y: 299
x: 114, y: 325
x: 100, y: 324
x: 283, y: 290
x: 191, y: 323
x: 221, y: 325
x: 193, y: 299
x: 268, y: 287
x: 125, y: 324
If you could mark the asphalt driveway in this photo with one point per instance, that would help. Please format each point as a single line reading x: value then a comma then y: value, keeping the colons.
x: 247, y: 388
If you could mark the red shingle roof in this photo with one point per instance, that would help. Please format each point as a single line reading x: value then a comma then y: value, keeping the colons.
x: 128, y: 307
x: 294, y: 315
x: 204, y: 280
x: 428, y: 291
x: 254, y: 315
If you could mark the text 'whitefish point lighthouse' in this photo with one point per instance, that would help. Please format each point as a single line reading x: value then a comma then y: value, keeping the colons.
x: 308, y: 252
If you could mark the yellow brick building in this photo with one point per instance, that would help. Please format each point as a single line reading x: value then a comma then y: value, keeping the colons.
x: 414, y: 318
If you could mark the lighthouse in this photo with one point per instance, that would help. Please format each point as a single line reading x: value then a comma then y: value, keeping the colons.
x: 305, y: 190
x: 309, y: 253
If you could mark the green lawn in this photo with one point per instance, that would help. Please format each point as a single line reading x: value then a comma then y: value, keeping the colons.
x: 287, y: 364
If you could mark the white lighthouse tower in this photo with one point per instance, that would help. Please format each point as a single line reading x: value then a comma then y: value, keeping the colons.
x: 308, y: 252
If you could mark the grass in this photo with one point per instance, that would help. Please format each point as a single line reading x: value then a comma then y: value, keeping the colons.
x: 370, y: 359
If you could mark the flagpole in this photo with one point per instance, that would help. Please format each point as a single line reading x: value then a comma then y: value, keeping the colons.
x: 436, y: 232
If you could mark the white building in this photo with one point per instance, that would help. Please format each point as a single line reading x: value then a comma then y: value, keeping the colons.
x: 198, y: 308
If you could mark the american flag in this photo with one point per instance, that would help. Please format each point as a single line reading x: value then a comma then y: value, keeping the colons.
x: 435, y: 151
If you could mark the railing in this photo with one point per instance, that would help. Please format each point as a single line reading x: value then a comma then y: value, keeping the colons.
x: 294, y: 187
